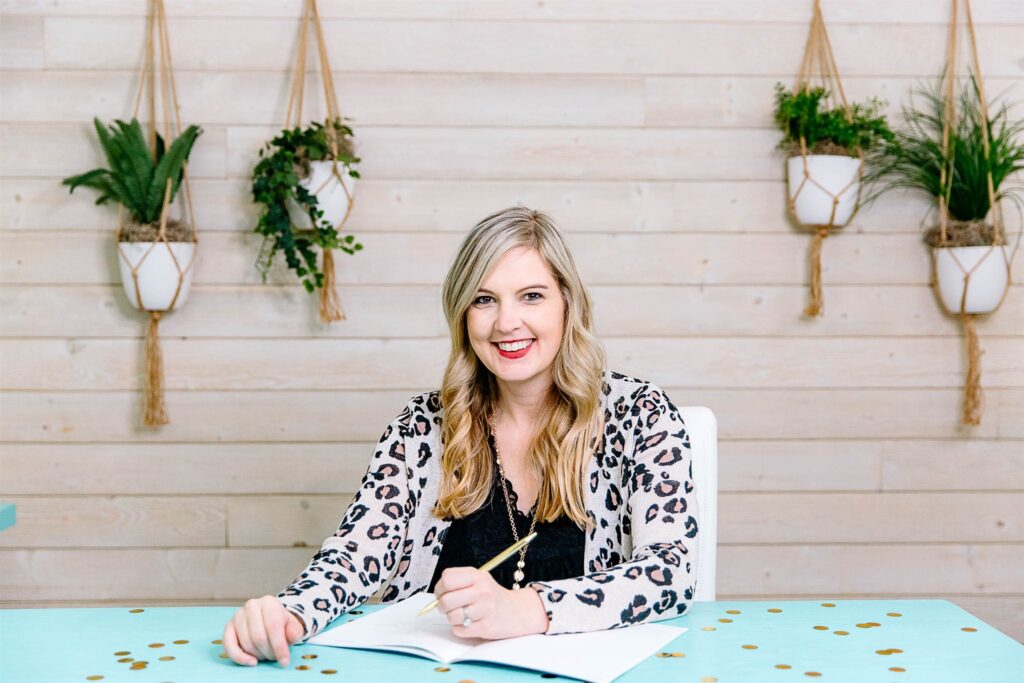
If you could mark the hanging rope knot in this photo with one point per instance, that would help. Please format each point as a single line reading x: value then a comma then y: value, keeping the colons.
x: 156, y: 316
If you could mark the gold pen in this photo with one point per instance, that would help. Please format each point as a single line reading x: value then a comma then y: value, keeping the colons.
x: 490, y: 564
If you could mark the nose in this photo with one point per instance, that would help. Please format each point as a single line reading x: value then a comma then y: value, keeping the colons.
x: 508, y: 320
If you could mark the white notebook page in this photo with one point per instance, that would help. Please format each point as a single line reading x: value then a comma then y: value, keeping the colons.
x: 598, y: 656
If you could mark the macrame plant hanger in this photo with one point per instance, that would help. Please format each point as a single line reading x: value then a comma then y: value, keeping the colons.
x: 156, y: 79
x: 819, y: 62
x: 330, y: 304
x: 973, y: 397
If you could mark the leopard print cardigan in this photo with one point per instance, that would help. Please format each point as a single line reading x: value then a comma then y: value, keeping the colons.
x: 640, y: 551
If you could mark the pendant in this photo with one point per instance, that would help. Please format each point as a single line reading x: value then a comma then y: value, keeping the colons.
x: 520, y: 564
x: 519, y: 575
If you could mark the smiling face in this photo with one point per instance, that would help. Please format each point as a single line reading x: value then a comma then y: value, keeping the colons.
x: 519, y: 302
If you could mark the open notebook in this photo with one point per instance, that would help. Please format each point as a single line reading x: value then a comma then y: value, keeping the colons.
x: 598, y: 656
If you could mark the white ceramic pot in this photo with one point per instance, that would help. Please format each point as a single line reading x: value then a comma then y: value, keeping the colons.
x: 989, y: 277
x: 837, y: 176
x: 158, y: 274
x: 329, y: 192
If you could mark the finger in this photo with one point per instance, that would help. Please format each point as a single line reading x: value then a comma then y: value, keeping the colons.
x: 457, y: 598
x: 274, y: 618
x: 455, y: 578
x: 258, y: 630
x: 232, y: 648
x: 242, y: 630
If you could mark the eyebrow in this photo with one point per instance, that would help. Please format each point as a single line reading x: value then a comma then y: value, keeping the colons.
x: 521, y: 290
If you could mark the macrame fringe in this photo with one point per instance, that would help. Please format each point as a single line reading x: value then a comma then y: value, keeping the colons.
x: 154, y: 411
x: 972, y: 387
x: 330, y: 304
x: 817, y: 304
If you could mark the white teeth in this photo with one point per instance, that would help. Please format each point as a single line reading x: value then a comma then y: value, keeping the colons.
x: 515, y: 346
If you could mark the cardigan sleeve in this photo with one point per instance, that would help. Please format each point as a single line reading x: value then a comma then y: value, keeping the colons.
x: 659, y: 579
x: 358, y: 558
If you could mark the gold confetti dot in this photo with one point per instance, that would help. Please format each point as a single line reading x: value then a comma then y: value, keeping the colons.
x: 223, y: 655
x: 94, y: 678
x: 897, y: 669
x: 783, y: 666
x: 329, y: 671
x: 890, y: 651
x: 467, y: 680
x: 181, y: 642
x: 310, y: 656
x: 827, y: 604
x: 217, y: 642
x: 168, y: 658
x: 868, y: 624
x: 709, y: 628
x: 678, y: 654
x: 156, y: 644
x: 141, y: 662
x: 708, y: 679
x: 733, y: 611
x: 841, y: 633
x: 664, y: 654
x: 774, y: 610
x: 135, y: 611
x: 726, y: 621
x: 811, y: 673
x: 442, y: 669
x: 302, y: 667
x: 750, y: 647
x: 122, y: 653
x: 969, y: 629
x: 821, y: 628
x: 125, y: 660
x: 893, y: 614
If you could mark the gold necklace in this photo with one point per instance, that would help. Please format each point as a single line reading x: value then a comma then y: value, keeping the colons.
x: 519, y: 575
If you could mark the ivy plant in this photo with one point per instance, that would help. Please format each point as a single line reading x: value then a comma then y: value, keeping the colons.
x: 828, y: 131
x: 284, y: 161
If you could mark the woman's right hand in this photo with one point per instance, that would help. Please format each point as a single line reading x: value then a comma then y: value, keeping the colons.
x: 262, y: 629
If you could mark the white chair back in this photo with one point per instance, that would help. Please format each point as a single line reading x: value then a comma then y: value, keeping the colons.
x: 702, y: 429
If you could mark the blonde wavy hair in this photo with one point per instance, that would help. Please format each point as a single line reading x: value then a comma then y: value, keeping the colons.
x: 572, y: 419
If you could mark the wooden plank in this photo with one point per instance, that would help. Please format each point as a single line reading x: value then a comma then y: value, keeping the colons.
x: 919, y: 517
x: 895, y: 569
x: 952, y: 465
x: 418, y: 205
x: 255, y: 311
x: 184, y: 469
x: 603, y: 259
x: 744, y: 518
x: 641, y: 311
x: 519, y: 47
x: 829, y: 464
x: 392, y: 99
x: 780, y: 11
x: 118, y: 521
x: 241, y: 573
x: 325, y: 416
x: 746, y: 101
x: 755, y: 465
x: 376, y: 364
x: 21, y: 45
x: 284, y: 520
x: 542, y: 153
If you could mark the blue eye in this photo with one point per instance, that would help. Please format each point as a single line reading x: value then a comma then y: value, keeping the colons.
x: 536, y: 294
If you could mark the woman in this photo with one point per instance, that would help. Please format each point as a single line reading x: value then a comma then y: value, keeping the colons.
x: 538, y: 436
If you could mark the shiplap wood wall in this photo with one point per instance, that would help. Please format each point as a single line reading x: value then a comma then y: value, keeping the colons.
x: 644, y: 129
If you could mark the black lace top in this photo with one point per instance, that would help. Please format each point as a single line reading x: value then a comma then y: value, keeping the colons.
x: 556, y: 553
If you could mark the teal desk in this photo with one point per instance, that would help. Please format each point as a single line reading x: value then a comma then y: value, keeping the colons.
x: 933, y: 641
x: 7, y: 515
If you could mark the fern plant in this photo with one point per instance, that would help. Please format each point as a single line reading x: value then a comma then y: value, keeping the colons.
x: 914, y: 159
x: 136, y: 177
x: 827, y: 131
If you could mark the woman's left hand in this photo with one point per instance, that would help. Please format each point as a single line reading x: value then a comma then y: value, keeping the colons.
x: 496, y: 612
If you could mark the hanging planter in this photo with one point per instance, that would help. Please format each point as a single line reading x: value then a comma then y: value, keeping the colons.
x: 156, y: 240
x: 960, y: 154
x: 304, y: 183
x: 826, y: 139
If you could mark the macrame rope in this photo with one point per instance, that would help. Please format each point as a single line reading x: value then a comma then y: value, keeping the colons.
x: 154, y: 409
x: 819, y: 60
x: 329, y: 302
